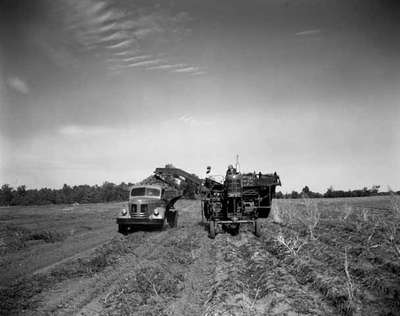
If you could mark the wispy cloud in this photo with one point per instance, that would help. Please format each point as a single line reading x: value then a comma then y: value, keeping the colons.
x: 199, y: 73
x: 18, y: 85
x: 106, y: 17
x: 123, y: 53
x: 309, y: 32
x: 75, y: 130
x: 142, y: 33
x: 135, y: 58
x: 145, y: 63
x: 124, y: 43
x: 192, y: 121
x: 166, y: 66
x: 121, y: 35
x: 108, y: 27
x: 187, y: 69
x: 96, y: 7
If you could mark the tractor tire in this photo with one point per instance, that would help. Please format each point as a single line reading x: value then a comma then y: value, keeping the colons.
x: 257, y: 227
x: 122, y: 229
x: 212, y: 229
x: 236, y: 230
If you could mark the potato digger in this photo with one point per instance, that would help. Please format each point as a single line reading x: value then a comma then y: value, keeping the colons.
x: 239, y: 198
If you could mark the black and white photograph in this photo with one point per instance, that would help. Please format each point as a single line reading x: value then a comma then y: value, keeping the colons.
x: 200, y: 157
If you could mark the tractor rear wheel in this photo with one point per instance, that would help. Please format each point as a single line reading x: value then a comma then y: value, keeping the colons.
x: 257, y: 227
x: 212, y: 229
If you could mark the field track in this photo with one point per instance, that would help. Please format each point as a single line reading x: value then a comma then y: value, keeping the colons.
x: 180, y: 271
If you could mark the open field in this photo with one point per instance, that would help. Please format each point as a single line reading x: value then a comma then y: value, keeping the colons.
x: 316, y: 257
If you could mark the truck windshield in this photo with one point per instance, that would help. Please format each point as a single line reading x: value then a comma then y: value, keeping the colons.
x: 145, y: 192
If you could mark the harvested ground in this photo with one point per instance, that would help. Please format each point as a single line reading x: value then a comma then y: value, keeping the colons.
x: 33, y: 239
x: 71, y: 261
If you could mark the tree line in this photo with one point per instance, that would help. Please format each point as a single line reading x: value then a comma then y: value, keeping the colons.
x: 331, y: 193
x: 66, y: 195
x: 110, y: 192
x: 107, y: 192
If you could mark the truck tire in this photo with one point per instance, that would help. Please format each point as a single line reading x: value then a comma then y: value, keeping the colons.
x: 122, y: 229
x: 212, y: 229
x: 257, y: 227
x: 160, y: 226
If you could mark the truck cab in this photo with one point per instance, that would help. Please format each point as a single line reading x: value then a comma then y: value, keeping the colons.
x: 147, y: 206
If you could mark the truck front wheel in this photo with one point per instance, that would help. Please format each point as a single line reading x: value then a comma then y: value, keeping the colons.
x: 122, y: 229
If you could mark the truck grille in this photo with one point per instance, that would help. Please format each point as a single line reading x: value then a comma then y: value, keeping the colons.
x: 138, y: 215
x: 138, y: 211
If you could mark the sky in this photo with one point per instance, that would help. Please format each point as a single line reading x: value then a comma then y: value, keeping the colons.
x: 94, y: 91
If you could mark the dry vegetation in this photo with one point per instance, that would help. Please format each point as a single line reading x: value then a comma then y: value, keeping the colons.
x: 345, y: 248
x: 317, y: 257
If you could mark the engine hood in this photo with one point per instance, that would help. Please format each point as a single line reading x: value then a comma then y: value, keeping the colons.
x: 145, y: 200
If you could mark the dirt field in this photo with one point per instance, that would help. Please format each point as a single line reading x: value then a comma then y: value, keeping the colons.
x: 319, y: 257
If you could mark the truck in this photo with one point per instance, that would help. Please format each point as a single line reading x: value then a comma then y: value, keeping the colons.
x: 149, y: 206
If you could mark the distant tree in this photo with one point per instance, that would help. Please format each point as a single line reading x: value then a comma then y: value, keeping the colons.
x: 329, y: 192
x: 21, y: 190
x: 374, y: 189
x: 279, y: 195
x: 306, y: 190
x: 67, y: 194
x: 18, y: 196
x: 108, y: 191
x: 6, y: 194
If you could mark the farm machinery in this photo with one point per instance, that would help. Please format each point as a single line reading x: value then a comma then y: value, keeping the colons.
x: 241, y: 198
x: 238, y: 198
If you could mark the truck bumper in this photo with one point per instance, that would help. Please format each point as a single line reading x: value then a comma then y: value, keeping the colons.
x: 140, y: 221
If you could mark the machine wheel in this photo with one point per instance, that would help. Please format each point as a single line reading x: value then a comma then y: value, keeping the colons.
x: 212, y: 229
x: 257, y: 227
x: 236, y: 229
x: 175, y: 220
x: 203, y: 218
x: 172, y: 219
x: 122, y: 229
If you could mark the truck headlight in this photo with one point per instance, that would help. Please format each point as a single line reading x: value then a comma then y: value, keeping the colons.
x: 124, y: 212
x: 156, y: 212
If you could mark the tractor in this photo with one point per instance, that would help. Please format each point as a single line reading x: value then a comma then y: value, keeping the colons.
x: 241, y: 198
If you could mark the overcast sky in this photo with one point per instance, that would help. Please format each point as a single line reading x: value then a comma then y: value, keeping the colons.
x: 94, y: 91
